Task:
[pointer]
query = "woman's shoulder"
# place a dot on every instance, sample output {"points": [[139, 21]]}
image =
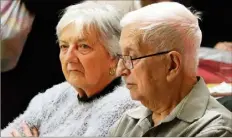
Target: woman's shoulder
{"points": [[121, 90], [119, 93], [119, 98], [54, 93], [58, 89]]}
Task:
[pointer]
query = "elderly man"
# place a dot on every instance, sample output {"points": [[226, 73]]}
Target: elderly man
{"points": [[159, 45]]}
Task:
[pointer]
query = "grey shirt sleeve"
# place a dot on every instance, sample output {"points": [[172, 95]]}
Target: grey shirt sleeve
{"points": [[216, 131], [113, 129]]}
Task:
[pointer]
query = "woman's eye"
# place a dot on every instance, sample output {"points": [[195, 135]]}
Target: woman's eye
{"points": [[84, 49], [63, 46]]}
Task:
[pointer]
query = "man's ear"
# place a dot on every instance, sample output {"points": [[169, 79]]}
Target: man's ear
{"points": [[174, 65]]}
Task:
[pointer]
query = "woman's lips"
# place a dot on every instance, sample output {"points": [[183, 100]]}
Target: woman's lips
{"points": [[73, 68]]}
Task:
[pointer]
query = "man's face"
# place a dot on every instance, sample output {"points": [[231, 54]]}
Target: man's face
{"points": [[147, 78]]}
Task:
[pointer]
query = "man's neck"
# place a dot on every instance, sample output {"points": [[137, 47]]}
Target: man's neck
{"points": [[161, 111]]}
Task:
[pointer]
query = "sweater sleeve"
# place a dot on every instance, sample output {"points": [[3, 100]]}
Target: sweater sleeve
{"points": [[37, 110], [31, 116]]}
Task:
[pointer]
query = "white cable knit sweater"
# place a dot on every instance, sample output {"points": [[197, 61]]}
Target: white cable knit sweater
{"points": [[57, 112]]}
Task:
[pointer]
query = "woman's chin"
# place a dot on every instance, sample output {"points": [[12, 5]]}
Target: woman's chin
{"points": [[77, 82]]}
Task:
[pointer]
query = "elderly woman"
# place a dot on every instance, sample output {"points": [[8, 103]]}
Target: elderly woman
{"points": [[159, 45], [93, 98]]}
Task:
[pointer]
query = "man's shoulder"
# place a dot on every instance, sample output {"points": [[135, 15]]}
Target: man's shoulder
{"points": [[130, 123], [135, 115], [216, 123], [217, 115], [216, 119]]}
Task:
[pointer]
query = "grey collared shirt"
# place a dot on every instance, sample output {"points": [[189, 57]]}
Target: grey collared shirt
{"points": [[198, 114]]}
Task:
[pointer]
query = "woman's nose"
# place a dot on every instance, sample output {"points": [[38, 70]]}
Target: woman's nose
{"points": [[72, 53]]}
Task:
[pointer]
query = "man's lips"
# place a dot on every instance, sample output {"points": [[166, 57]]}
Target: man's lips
{"points": [[129, 85]]}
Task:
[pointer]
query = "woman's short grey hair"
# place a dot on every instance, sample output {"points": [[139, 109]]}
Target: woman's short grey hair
{"points": [[169, 26], [105, 18]]}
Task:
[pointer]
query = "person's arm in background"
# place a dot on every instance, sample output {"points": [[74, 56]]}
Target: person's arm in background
{"points": [[227, 46], [16, 24]]}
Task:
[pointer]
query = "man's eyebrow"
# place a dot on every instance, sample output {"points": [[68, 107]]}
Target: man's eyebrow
{"points": [[129, 50]]}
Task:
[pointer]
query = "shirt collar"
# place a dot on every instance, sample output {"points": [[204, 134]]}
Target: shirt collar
{"points": [[196, 104], [192, 107]]}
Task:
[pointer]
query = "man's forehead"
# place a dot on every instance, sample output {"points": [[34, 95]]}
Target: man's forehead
{"points": [[129, 44], [130, 39]]}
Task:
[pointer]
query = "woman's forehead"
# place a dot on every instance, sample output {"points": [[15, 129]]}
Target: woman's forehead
{"points": [[72, 33]]}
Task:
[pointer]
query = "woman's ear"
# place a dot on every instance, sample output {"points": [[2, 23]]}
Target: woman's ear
{"points": [[114, 61], [174, 65]]}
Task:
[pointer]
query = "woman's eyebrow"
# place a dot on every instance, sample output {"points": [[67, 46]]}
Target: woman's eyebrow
{"points": [[81, 40], [62, 41]]}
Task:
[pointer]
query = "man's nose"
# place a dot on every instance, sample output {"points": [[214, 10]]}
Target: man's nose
{"points": [[121, 69]]}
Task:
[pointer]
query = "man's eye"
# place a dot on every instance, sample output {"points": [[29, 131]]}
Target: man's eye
{"points": [[84, 46]]}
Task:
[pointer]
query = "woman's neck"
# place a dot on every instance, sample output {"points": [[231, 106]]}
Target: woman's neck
{"points": [[106, 90]]}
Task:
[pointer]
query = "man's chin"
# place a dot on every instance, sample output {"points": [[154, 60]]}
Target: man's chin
{"points": [[134, 96]]}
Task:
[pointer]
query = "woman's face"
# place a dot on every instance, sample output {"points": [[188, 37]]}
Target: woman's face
{"points": [[85, 61]]}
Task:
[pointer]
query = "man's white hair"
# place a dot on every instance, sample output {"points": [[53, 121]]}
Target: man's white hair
{"points": [[169, 26], [105, 18]]}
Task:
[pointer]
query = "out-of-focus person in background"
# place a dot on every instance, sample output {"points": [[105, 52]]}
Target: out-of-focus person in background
{"points": [[16, 22], [29, 52], [216, 24], [159, 62], [124, 5], [93, 98]]}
